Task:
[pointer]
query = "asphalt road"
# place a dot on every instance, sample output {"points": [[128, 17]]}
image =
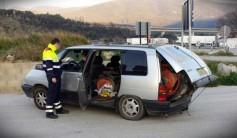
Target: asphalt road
{"points": [[213, 114], [220, 58]]}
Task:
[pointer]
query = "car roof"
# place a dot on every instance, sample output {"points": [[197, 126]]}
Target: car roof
{"points": [[117, 46]]}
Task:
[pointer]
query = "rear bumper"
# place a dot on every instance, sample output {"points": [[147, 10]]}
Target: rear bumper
{"points": [[156, 108], [27, 90], [204, 81]]}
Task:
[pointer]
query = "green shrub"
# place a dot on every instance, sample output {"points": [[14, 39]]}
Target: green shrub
{"points": [[30, 47], [225, 80], [213, 65], [6, 43], [223, 53], [201, 53], [220, 53], [222, 80]]}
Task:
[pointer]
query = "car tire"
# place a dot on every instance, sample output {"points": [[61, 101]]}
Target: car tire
{"points": [[40, 95], [131, 108]]}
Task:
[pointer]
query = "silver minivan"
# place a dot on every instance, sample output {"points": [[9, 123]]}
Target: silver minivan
{"points": [[135, 80]]}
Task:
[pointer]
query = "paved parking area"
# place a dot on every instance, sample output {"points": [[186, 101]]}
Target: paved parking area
{"points": [[220, 58], [213, 114]]}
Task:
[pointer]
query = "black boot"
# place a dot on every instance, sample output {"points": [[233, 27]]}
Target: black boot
{"points": [[51, 116], [62, 111]]}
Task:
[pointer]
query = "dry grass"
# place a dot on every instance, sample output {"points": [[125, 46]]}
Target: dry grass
{"points": [[30, 47]]}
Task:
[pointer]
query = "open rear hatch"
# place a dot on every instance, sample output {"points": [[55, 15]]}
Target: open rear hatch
{"points": [[182, 59]]}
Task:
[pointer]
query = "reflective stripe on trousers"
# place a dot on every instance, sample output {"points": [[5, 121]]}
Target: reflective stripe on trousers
{"points": [[57, 105], [48, 109]]}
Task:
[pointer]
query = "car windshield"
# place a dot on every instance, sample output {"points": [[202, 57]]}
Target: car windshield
{"points": [[60, 54]]}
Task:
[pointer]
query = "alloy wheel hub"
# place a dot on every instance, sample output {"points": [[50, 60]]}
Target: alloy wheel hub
{"points": [[130, 107], [40, 98]]}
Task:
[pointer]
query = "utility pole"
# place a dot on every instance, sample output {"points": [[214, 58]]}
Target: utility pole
{"points": [[147, 33], [127, 23], [140, 32], [182, 29], [190, 23], [225, 36]]}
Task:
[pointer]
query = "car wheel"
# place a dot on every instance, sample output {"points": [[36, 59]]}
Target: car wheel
{"points": [[40, 95], [131, 108]]}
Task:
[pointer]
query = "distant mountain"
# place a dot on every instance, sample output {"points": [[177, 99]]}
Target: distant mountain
{"points": [[208, 23], [159, 12], [46, 9], [54, 10]]}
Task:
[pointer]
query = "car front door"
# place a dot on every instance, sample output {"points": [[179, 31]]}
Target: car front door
{"points": [[70, 81], [71, 75]]}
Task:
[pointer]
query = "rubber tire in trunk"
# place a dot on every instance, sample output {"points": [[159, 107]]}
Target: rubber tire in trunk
{"points": [[184, 89]]}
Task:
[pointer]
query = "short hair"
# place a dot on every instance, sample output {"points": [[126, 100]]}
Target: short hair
{"points": [[55, 40], [84, 53], [115, 58]]}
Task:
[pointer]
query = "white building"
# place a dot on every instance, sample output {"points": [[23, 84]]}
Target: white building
{"points": [[136, 41], [230, 42], [197, 39]]}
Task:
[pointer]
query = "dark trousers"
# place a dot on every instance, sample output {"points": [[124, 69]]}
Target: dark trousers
{"points": [[53, 91]]}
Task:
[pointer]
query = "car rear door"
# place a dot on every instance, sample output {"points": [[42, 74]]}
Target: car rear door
{"points": [[184, 59], [84, 83]]}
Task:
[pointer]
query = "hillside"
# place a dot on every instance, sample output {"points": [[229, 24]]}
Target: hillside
{"points": [[54, 10], [24, 34], [159, 12], [29, 22]]}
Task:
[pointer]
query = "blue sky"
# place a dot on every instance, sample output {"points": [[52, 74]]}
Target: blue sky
{"points": [[55, 3]]}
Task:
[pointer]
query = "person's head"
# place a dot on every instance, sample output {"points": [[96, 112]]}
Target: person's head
{"points": [[115, 59], [98, 60], [84, 55], [56, 42]]}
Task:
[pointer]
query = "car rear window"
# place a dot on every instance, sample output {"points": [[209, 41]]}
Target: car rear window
{"points": [[134, 63]]}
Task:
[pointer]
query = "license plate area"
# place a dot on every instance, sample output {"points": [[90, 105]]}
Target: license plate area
{"points": [[201, 72]]}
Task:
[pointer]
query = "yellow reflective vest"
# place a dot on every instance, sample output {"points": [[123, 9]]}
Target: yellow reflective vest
{"points": [[51, 62]]}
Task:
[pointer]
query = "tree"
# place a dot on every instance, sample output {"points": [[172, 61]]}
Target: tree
{"points": [[155, 34], [49, 23], [171, 37], [230, 19]]}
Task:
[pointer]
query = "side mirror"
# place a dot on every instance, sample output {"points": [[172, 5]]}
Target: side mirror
{"points": [[39, 66]]}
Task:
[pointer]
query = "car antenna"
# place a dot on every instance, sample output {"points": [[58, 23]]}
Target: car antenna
{"points": [[195, 99]]}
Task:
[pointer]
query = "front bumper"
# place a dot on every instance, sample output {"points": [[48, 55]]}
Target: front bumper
{"points": [[27, 90], [156, 108]]}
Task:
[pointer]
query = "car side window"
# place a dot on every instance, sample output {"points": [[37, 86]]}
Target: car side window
{"points": [[75, 60], [134, 63], [73, 55]]}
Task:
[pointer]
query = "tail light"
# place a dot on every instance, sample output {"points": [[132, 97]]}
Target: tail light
{"points": [[162, 93]]}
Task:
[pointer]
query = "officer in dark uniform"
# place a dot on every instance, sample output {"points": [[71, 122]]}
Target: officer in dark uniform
{"points": [[53, 71]]}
